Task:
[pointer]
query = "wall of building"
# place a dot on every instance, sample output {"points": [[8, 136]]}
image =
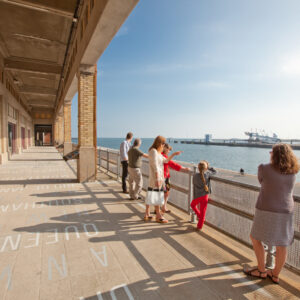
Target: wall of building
{"points": [[12, 110]]}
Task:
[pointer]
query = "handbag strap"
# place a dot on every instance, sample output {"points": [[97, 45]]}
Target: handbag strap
{"points": [[155, 190]]}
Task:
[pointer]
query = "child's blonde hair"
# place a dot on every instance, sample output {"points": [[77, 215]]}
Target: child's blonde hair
{"points": [[202, 167], [167, 147]]}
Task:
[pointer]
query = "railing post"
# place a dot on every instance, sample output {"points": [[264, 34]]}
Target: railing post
{"points": [[192, 213], [99, 157], [118, 166], [107, 160]]}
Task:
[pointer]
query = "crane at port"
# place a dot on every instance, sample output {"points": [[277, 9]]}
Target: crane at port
{"points": [[262, 137]]}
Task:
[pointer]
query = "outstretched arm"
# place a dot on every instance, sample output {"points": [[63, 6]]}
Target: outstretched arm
{"points": [[177, 167], [172, 155], [212, 171]]}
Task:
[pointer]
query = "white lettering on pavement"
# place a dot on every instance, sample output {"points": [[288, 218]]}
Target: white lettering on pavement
{"points": [[95, 230], [62, 271], [36, 240], [55, 230], [75, 230], [13, 245], [103, 259], [125, 287], [7, 271]]}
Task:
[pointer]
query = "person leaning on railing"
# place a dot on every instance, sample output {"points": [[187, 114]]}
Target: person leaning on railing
{"points": [[273, 219], [202, 189]]}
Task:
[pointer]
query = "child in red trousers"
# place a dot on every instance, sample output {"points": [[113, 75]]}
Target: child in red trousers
{"points": [[202, 189]]}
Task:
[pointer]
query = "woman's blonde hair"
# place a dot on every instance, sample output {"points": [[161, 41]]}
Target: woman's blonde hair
{"points": [[202, 167], [284, 160], [159, 140]]}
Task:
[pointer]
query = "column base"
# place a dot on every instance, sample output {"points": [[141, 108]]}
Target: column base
{"points": [[3, 158], [18, 151], [68, 147], [86, 168]]}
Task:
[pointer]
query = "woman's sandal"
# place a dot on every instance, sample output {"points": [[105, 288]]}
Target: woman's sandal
{"points": [[250, 272], [165, 211], [162, 220], [271, 276], [147, 218]]}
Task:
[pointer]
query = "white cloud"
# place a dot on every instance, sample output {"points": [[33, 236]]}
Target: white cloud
{"points": [[290, 65], [276, 68]]}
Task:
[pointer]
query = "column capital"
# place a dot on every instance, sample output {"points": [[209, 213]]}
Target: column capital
{"points": [[87, 69], [68, 102]]}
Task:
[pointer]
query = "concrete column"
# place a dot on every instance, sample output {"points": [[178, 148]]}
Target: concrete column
{"points": [[60, 130], [3, 131], [18, 135], [67, 129], [86, 166], [32, 134], [55, 131], [26, 133]]}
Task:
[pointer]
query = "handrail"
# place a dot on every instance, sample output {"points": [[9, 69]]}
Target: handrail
{"points": [[239, 209], [251, 186]]}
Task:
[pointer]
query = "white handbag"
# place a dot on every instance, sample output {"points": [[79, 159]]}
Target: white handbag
{"points": [[155, 197]]}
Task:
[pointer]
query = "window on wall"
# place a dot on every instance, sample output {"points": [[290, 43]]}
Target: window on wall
{"points": [[12, 112]]}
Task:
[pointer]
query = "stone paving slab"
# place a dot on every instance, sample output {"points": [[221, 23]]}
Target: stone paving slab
{"points": [[64, 240]]}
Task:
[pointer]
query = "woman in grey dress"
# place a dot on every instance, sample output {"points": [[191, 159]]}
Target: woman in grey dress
{"points": [[273, 219]]}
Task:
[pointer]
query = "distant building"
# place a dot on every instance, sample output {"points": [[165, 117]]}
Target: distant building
{"points": [[208, 138]]}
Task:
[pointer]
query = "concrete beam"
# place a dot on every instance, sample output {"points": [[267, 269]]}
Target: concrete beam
{"points": [[41, 103], [37, 90], [63, 8], [3, 49], [72, 89], [106, 19], [32, 66], [109, 22]]}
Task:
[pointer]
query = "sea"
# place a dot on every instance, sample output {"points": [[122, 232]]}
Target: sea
{"points": [[224, 157]]}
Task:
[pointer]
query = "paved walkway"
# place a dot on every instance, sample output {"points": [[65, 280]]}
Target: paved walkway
{"points": [[63, 240]]}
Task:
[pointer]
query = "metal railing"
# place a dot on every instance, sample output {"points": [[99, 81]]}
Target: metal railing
{"points": [[231, 205]]}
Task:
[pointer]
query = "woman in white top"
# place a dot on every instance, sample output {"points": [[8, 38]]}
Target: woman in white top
{"points": [[156, 173]]}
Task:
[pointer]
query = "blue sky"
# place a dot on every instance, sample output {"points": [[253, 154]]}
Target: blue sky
{"points": [[186, 68]]}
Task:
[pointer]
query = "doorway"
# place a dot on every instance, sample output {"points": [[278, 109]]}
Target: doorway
{"points": [[23, 137], [12, 138], [43, 135], [29, 138]]}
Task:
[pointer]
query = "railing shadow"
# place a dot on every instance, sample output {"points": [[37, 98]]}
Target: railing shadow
{"points": [[128, 228]]}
